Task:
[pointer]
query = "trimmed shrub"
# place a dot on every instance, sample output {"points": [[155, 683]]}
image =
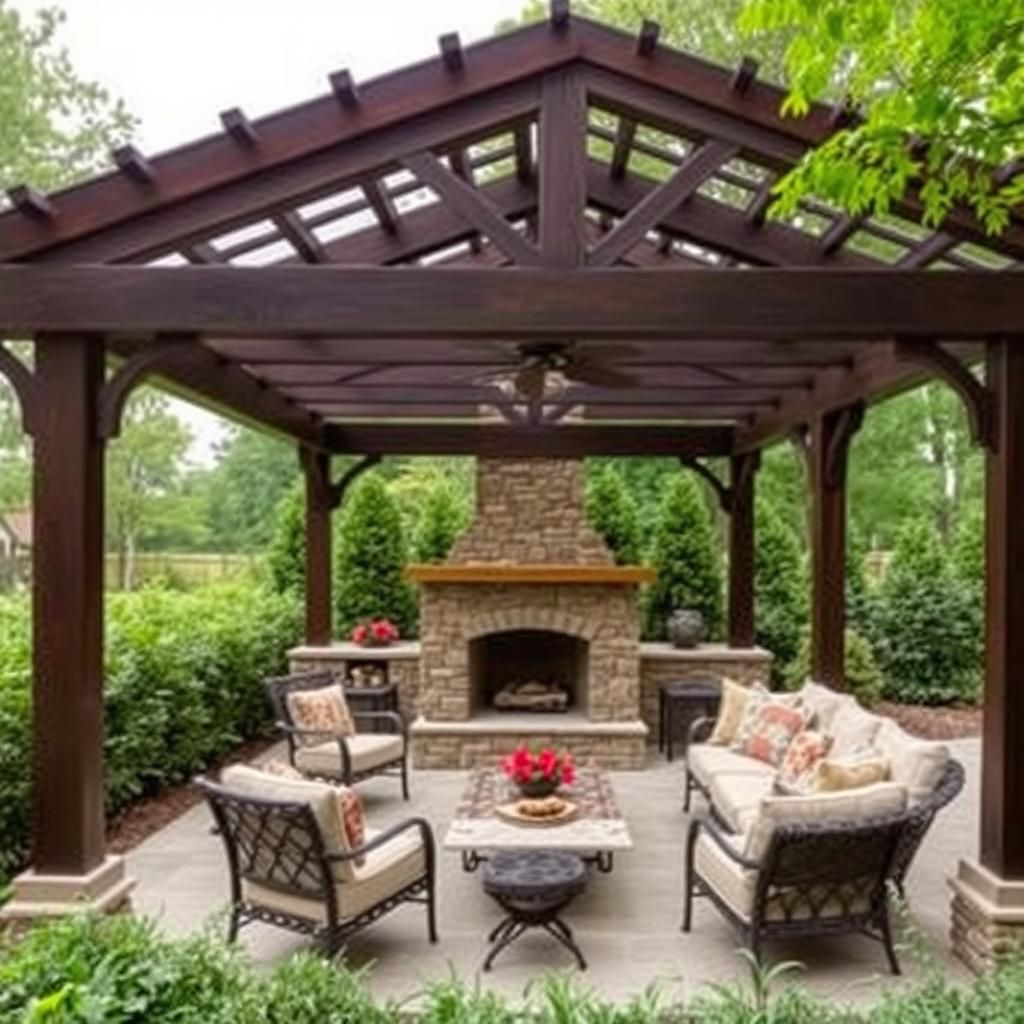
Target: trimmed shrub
{"points": [[969, 551], [286, 558], [780, 589], [614, 514], [183, 687], [442, 519], [371, 554], [926, 624], [863, 678], [684, 555]]}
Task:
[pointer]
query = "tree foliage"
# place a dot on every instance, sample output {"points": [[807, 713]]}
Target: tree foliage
{"points": [[863, 679], [613, 513], [685, 558], [940, 88], [371, 554], [443, 516], [780, 588], [286, 556]]}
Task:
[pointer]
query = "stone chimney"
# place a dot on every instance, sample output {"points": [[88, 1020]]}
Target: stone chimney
{"points": [[530, 512]]}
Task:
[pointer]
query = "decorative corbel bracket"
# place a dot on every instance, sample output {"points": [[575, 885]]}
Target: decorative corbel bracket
{"points": [[847, 421], [119, 386], [978, 400], [23, 381], [723, 492], [745, 467], [338, 489], [317, 465]]}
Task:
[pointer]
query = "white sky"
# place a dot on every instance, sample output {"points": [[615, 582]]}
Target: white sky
{"points": [[178, 64]]}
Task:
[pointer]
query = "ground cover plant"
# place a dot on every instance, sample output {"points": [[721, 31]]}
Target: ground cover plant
{"points": [[183, 675], [119, 970]]}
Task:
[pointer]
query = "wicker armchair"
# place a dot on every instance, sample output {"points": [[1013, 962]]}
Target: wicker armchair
{"points": [[814, 878], [283, 872], [346, 759]]}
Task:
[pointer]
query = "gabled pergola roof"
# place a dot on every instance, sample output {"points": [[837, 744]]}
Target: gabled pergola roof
{"points": [[553, 150]]}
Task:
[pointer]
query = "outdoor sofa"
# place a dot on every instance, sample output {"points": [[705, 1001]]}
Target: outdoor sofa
{"points": [[785, 864]]}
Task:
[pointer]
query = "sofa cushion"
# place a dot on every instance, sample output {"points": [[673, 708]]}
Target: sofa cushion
{"points": [[736, 886], [387, 870], [774, 729], [737, 796], [804, 754], [706, 761], [918, 764], [366, 750], [822, 702], [881, 800], [833, 776], [853, 728], [730, 712], [324, 710]]}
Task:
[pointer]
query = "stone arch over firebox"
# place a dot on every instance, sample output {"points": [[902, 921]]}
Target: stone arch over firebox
{"points": [[550, 619]]}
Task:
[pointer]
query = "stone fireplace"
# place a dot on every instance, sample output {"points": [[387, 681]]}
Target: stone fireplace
{"points": [[529, 600]]}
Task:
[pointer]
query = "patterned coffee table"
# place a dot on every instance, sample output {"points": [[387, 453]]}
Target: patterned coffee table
{"points": [[597, 832]]}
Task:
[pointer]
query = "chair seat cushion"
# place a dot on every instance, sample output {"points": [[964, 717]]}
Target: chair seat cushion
{"points": [[367, 751], [705, 761], [736, 886], [737, 796], [384, 872]]}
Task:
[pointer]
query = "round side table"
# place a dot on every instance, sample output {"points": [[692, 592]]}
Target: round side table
{"points": [[682, 702], [533, 887]]}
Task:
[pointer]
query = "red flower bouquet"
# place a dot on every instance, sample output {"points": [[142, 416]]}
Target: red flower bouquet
{"points": [[375, 633], [539, 774]]}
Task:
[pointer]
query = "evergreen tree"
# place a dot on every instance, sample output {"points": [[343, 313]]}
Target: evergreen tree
{"points": [[926, 624], [613, 513], [688, 566], [286, 558], [369, 579], [442, 519], [780, 589]]}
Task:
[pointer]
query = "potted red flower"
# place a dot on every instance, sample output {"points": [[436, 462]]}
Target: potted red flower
{"points": [[374, 633], [540, 774]]}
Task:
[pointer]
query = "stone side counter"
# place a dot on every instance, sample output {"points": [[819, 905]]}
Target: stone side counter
{"points": [[661, 663], [402, 660]]}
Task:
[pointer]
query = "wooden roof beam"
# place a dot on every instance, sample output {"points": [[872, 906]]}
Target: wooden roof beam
{"points": [[559, 15], [452, 56], [625, 139], [562, 169], [30, 202], [745, 75], [134, 165], [239, 127], [382, 205], [522, 137], [302, 240], [647, 40], [344, 88], [842, 229]]}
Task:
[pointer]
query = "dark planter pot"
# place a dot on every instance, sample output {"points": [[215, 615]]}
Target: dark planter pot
{"points": [[537, 788], [686, 628]]}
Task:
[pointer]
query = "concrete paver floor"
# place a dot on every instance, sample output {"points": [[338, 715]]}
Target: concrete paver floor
{"points": [[627, 923]]}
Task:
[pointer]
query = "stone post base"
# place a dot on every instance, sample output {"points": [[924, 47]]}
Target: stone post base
{"points": [[107, 888], [988, 916]]}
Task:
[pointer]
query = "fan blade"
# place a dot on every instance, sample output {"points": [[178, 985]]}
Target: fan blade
{"points": [[529, 382], [598, 376]]}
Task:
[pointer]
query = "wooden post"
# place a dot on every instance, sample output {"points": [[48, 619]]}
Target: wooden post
{"points": [[830, 439], [743, 472], [316, 467], [1002, 773], [67, 687]]}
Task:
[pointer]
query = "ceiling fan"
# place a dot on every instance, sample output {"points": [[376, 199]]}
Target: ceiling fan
{"points": [[547, 368]]}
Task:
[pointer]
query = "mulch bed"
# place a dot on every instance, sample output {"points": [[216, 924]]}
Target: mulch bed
{"points": [[955, 722], [137, 823]]}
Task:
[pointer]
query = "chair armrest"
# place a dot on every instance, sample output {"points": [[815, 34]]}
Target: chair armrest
{"points": [[715, 833], [700, 729], [426, 836], [392, 718]]}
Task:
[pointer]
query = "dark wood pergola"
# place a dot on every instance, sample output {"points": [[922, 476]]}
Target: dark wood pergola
{"points": [[348, 273]]}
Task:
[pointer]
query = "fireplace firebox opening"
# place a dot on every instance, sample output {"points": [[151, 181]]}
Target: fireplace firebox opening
{"points": [[523, 670]]}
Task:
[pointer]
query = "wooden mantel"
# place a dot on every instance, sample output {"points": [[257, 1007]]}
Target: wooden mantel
{"points": [[496, 572]]}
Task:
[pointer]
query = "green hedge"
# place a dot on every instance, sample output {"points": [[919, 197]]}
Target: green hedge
{"points": [[182, 688], [118, 969]]}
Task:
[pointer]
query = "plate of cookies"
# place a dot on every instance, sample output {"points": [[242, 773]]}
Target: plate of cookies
{"points": [[547, 810]]}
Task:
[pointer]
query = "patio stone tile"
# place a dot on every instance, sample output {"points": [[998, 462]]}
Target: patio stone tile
{"points": [[627, 923]]}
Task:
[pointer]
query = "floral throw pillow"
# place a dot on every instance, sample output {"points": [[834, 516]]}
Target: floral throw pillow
{"points": [[798, 765], [323, 710], [350, 810], [773, 732], [757, 697]]}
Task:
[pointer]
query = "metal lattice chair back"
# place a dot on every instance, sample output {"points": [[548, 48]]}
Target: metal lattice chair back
{"points": [[272, 843], [279, 687], [815, 871]]}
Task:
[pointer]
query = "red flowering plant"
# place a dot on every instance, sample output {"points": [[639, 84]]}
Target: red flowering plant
{"points": [[538, 773], [374, 633]]}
